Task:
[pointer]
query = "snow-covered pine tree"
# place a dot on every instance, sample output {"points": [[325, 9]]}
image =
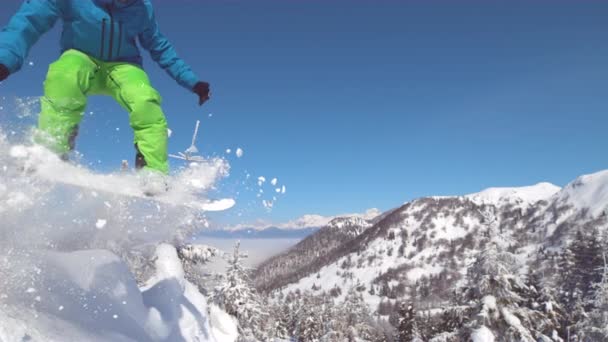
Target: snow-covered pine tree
{"points": [[498, 295], [588, 264], [541, 299], [193, 258], [238, 298], [279, 312], [357, 317], [309, 326], [580, 267], [595, 326], [408, 327]]}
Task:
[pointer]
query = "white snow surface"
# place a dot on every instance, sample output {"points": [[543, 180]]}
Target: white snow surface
{"points": [[63, 279], [91, 295], [587, 191], [482, 334], [526, 194]]}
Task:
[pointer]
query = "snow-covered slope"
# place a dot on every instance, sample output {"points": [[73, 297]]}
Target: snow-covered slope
{"points": [[587, 192], [91, 295], [309, 254], [526, 194], [82, 265]]}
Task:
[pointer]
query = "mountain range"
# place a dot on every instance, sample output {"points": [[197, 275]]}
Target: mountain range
{"points": [[428, 244]]}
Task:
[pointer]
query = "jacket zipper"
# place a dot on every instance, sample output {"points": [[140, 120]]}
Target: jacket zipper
{"points": [[111, 34], [103, 37], [119, 39]]}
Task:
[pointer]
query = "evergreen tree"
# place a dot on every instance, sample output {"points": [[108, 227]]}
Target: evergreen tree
{"points": [[587, 263], [408, 328], [595, 326], [499, 295], [357, 317], [309, 326], [237, 297], [580, 268]]}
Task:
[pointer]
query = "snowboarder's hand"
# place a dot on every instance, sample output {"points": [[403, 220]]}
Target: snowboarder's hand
{"points": [[3, 72], [202, 90]]}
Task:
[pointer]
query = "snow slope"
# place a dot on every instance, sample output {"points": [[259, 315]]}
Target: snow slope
{"points": [[526, 194], [91, 295], [83, 265], [587, 191]]}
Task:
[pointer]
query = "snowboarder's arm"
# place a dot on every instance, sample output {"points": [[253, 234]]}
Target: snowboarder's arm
{"points": [[34, 18], [164, 54]]}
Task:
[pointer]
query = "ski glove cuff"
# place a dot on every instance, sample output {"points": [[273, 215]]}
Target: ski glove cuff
{"points": [[202, 90], [3, 72]]}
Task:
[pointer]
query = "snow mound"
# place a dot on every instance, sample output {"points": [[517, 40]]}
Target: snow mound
{"points": [[526, 194], [91, 295], [482, 334], [587, 191]]}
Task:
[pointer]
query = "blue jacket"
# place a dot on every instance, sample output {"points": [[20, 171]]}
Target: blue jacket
{"points": [[105, 29]]}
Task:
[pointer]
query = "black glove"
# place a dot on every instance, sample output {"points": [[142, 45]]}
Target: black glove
{"points": [[3, 72], [202, 90]]}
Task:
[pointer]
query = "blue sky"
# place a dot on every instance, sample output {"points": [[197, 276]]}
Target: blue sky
{"points": [[360, 104]]}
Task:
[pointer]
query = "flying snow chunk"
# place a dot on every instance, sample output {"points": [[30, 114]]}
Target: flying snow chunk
{"points": [[169, 132], [268, 204], [228, 151], [274, 181], [261, 180], [283, 189], [31, 63], [101, 223], [239, 152], [18, 152]]}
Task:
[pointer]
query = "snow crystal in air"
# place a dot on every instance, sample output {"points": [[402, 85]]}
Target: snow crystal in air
{"points": [[101, 223], [268, 204]]}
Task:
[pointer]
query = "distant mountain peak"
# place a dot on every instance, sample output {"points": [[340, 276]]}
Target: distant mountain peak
{"points": [[305, 221], [526, 194], [587, 191]]}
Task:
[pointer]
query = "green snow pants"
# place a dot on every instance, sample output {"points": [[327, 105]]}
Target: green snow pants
{"points": [[76, 75]]}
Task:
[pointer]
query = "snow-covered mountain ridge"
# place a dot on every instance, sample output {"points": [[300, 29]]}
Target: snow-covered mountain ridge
{"points": [[429, 242], [526, 194], [304, 222]]}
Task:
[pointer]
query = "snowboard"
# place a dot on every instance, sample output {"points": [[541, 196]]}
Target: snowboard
{"points": [[39, 163]]}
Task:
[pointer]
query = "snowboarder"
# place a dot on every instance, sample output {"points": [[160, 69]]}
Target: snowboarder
{"points": [[99, 57]]}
